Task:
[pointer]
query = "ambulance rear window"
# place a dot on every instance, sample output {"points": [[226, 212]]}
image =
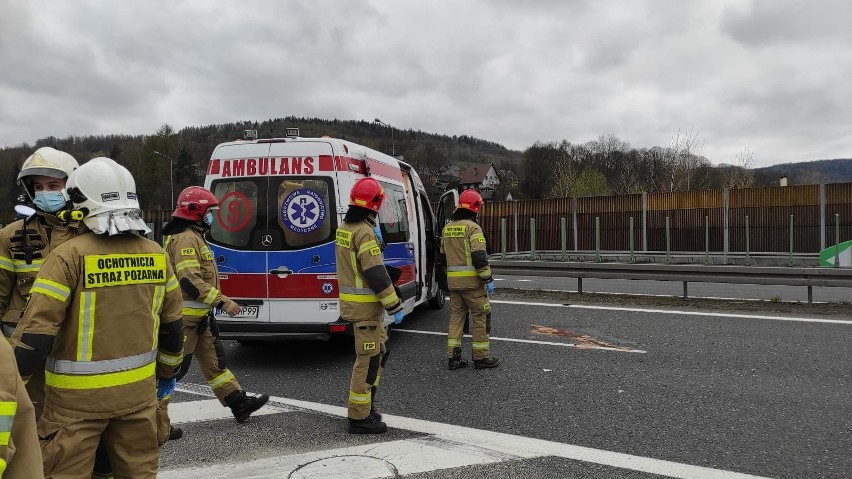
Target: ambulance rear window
{"points": [[305, 212], [275, 213], [238, 212]]}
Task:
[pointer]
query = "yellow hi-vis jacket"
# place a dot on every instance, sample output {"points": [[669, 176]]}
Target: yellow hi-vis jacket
{"points": [[101, 304], [463, 244], [196, 271], [20, 454], [16, 272], [364, 284]]}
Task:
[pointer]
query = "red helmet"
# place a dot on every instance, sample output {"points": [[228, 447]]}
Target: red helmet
{"points": [[194, 202], [470, 200], [367, 193]]}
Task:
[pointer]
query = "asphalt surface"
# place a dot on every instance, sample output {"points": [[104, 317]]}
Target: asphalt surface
{"points": [[767, 397]]}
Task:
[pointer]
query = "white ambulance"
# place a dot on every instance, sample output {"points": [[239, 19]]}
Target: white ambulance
{"points": [[281, 201]]}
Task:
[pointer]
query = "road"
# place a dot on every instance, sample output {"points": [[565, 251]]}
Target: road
{"points": [[605, 392], [675, 288]]}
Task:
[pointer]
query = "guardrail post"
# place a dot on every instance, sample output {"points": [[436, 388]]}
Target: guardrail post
{"points": [[706, 239], [748, 252], [645, 221], [632, 252], [822, 218], [836, 240], [685, 290], [532, 238], [598, 239], [579, 285], [725, 238], [574, 223], [668, 241], [790, 263], [502, 238], [563, 234], [515, 224]]}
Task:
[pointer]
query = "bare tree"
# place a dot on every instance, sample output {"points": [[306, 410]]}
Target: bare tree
{"points": [[627, 176], [741, 173], [686, 162], [564, 171]]}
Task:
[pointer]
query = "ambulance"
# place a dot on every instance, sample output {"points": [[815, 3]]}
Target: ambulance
{"points": [[281, 200]]}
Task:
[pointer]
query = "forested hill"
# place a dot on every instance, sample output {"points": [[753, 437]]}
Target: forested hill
{"points": [[809, 172], [190, 149]]}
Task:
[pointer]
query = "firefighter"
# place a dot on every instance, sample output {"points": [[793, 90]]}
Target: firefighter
{"points": [[20, 456], [470, 282], [26, 242], [105, 311], [199, 282], [366, 292]]}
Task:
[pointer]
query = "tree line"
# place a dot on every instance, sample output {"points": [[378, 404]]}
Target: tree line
{"points": [[603, 166]]}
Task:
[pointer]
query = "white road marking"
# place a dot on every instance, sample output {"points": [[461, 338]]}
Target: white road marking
{"points": [[684, 313], [532, 341], [445, 446], [208, 409]]}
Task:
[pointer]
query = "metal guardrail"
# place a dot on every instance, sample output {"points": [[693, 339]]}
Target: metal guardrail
{"points": [[686, 273], [662, 257]]}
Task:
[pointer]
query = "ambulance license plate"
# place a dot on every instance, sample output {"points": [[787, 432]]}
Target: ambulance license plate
{"points": [[245, 312]]}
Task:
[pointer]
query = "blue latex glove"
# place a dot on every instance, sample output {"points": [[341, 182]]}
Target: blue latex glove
{"points": [[397, 316], [165, 387], [489, 287]]}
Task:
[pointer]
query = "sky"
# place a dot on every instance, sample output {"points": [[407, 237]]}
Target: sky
{"points": [[767, 77]]}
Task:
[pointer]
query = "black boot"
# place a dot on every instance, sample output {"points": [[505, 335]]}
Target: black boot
{"points": [[486, 363], [368, 425], [373, 412], [175, 433], [456, 361], [242, 404]]}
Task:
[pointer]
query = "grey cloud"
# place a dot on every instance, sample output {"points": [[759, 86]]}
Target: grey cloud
{"points": [[764, 74]]}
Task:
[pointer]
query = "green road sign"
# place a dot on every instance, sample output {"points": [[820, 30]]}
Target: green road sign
{"points": [[841, 253]]}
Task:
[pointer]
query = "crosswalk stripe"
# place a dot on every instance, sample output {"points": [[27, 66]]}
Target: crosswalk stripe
{"points": [[445, 446]]}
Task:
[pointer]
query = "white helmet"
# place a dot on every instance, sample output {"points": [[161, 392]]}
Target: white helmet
{"points": [[46, 161], [106, 194]]}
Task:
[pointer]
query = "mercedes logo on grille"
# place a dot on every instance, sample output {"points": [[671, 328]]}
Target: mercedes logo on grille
{"points": [[266, 240]]}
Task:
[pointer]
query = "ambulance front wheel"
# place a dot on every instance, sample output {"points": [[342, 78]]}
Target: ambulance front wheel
{"points": [[438, 301]]}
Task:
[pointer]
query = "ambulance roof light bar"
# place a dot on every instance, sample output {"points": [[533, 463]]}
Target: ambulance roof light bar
{"points": [[249, 134]]}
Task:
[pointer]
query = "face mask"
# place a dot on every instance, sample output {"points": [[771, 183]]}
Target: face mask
{"points": [[208, 218], [49, 201]]}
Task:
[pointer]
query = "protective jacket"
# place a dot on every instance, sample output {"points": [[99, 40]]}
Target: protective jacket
{"points": [[108, 311], [196, 271], [463, 244], [365, 287], [20, 454], [22, 252]]}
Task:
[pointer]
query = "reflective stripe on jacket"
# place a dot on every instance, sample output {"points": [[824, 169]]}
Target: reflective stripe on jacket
{"points": [[460, 241], [193, 262], [357, 251], [103, 298], [17, 273], [20, 454]]}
